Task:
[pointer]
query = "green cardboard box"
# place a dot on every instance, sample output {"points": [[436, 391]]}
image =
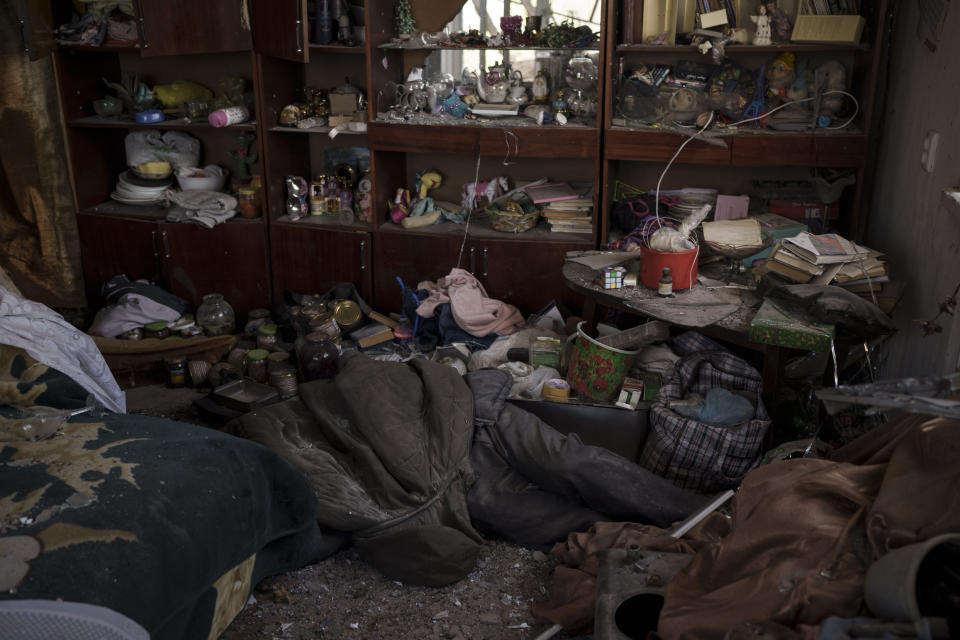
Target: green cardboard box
{"points": [[773, 325]]}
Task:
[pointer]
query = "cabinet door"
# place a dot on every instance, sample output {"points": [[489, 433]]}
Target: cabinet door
{"points": [[113, 246], [36, 27], [280, 28], [176, 27], [308, 260], [230, 258], [525, 274], [413, 258]]}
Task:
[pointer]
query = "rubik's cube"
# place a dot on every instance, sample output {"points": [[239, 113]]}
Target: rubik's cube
{"points": [[613, 277]]}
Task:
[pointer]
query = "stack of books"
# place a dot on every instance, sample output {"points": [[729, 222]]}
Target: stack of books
{"points": [[566, 210], [825, 259]]}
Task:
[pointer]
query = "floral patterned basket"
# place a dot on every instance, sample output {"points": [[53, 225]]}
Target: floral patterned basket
{"points": [[597, 371]]}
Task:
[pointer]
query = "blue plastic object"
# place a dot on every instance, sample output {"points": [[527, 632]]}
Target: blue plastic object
{"points": [[150, 115]]}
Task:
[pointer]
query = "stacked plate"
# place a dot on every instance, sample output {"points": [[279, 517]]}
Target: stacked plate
{"points": [[691, 200], [132, 189]]}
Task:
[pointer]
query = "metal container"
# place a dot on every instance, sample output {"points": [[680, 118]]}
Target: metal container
{"points": [[245, 395], [347, 314]]}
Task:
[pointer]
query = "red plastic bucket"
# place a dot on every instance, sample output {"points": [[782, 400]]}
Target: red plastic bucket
{"points": [[682, 265]]}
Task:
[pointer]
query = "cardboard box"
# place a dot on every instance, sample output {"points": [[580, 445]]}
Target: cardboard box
{"points": [[774, 325]]}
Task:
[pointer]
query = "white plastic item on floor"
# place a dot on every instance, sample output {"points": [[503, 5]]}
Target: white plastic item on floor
{"points": [[53, 341]]}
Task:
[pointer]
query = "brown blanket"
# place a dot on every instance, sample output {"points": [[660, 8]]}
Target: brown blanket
{"points": [[802, 535]]}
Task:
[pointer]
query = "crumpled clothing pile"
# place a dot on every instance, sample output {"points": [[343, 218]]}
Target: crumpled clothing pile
{"points": [[206, 208], [475, 312], [111, 21]]}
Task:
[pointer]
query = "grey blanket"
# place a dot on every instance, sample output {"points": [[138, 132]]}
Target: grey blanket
{"points": [[535, 485]]}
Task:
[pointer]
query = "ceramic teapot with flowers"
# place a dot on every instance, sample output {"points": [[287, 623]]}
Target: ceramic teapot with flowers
{"points": [[493, 85]]}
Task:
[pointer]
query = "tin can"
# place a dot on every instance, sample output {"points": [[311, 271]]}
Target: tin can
{"points": [[347, 314]]}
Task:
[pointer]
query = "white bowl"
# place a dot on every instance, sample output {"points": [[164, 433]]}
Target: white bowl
{"points": [[209, 178]]}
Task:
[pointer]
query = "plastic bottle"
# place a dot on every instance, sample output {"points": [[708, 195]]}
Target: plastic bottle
{"points": [[228, 116]]}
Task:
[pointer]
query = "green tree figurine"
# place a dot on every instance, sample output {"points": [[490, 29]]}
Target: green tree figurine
{"points": [[405, 25], [245, 154]]}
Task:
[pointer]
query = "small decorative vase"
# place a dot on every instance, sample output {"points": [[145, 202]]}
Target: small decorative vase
{"points": [[215, 315]]}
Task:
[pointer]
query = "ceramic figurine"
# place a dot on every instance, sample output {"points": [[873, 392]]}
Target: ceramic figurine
{"points": [[541, 87], [780, 75], [761, 37], [782, 28]]}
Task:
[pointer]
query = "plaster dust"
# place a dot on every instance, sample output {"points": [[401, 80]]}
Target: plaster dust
{"points": [[342, 597]]}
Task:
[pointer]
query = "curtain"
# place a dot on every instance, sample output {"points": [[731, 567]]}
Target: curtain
{"points": [[39, 245]]}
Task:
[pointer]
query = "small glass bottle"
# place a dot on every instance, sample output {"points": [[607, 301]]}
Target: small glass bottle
{"points": [[267, 336], [665, 285], [215, 315], [176, 372], [319, 358], [256, 365]]}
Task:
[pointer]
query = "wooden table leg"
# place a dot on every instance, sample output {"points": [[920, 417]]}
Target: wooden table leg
{"points": [[772, 368]]}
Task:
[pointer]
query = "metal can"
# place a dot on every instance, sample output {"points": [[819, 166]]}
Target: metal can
{"points": [[347, 314]]}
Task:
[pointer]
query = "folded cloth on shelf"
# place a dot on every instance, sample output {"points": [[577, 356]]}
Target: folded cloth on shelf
{"points": [[131, 310], [53, 341], [475, 312], [206, 208]]}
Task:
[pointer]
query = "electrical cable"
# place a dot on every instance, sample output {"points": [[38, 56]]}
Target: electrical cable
{"points": [[656, 207], [466, 226]]}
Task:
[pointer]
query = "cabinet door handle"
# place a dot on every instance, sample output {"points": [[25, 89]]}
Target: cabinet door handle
{"points": [[143, 26], [166, 245], [484, 262], [299, 25], [363, 255], [156, 247], [473, 260]]}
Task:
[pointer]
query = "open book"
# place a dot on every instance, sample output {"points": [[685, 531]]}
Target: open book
{"points": [[826, 248]]}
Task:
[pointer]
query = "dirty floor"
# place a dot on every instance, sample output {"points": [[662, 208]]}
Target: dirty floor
{"points": [[342, 597]]}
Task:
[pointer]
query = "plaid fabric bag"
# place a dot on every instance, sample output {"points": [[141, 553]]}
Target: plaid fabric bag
{"points": [[695, 455]]}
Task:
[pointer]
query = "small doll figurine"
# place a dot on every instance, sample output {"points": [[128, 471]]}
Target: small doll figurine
{"points": [[400, 206], [761, 37], [780, 76], [426, 180], [780, 21]]}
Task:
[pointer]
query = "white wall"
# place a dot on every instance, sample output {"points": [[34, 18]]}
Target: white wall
{"points": [[921, 238]]}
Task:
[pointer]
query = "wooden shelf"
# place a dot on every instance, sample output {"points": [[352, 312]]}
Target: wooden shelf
{"points": [[96, 122], [743, 48], [329, 223], [344, 138], [156, 212], [521, 141], [105, 48], [400, 47], [480, 229], [336, 48]]}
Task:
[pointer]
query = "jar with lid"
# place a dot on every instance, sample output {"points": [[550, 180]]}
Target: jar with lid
{"points": [[267, 336], [176, 371], [256, 365], [318, 357], [248, 202], [157, 329], [215, 315], [255, 318], [285, 382]]}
